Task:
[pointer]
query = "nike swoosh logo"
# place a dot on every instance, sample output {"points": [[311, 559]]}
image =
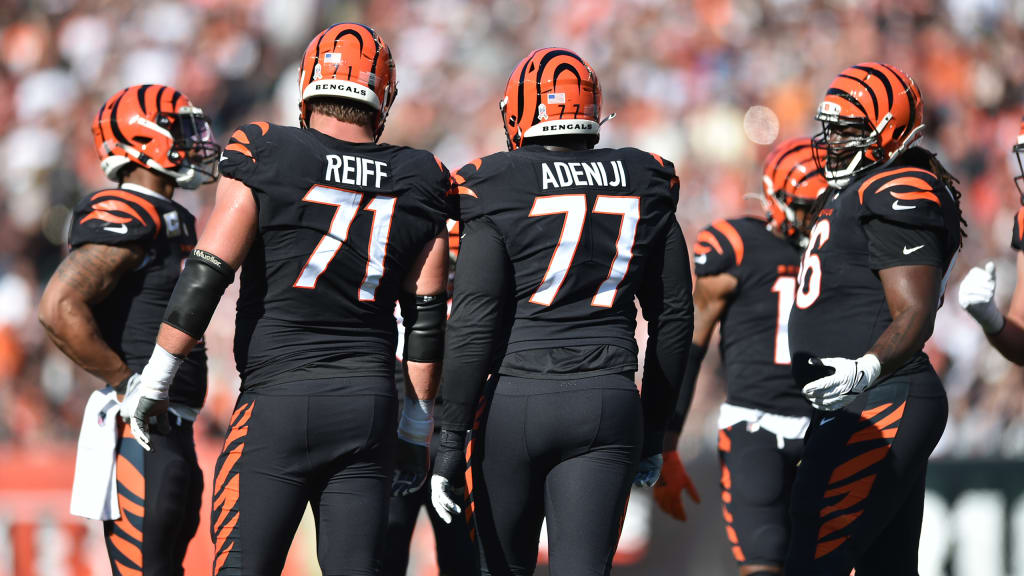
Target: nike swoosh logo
{"points": [[826, 420], [897, 206], [911, 250], [223, 157], [700, 259], [121, 229]]}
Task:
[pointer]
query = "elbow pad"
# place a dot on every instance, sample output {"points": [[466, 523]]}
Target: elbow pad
{"points": [[201, 284], [424, 331]]}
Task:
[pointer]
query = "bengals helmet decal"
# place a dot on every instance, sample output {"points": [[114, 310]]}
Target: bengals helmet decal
{"points": [[791, 179], [1018, 150], [158, 128], [871, 113], [551, 92], [349, 61]]}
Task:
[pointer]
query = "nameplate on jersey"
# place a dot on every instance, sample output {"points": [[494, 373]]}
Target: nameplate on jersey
{"points": [[609, 174], [357, 171]]}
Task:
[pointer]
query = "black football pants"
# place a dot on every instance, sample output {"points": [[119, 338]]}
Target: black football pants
{"points": [[565, 450], [283, 451], [159, 494], [858, 496]]}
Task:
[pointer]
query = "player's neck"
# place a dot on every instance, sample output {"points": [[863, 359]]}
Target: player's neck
{"points": [[158, 183], [340, 130]]}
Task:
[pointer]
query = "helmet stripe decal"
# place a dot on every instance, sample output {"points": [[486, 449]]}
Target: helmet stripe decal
{"points": [[910, 98], [118, 135], [376, 56], [846, 96], [142, 96], [874, 99], [562, 66], [880, 74]]}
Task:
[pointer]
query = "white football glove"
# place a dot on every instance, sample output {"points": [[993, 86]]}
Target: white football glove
{"points": [[442, 500], [977, 295], [851, 377], [149, 402], [648, 471]]}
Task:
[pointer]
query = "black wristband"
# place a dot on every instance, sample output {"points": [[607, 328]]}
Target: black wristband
{"points": [[201, 284], [424, 327], [450, 461]]}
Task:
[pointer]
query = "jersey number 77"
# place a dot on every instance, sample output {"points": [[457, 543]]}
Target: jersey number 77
{"points": [[346, 205], [574, 209]]}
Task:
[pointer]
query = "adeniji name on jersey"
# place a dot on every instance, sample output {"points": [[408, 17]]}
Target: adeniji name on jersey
{"points": [[340, 226], [898, 216], [130, 317], [755, 326]]}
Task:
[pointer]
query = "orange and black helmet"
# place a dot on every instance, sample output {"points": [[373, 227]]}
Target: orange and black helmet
{"points": [[349, 61], [1018, 149], [158, 128], [551, 92], [871, 113], [791, 179]]}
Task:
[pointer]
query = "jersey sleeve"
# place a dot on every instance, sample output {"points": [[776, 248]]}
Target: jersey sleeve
{"points": [[472, 183], [244, 156], [892, 244], [1017, 242], [114, 217], [719, 249], [434, 183], [908, 196]]}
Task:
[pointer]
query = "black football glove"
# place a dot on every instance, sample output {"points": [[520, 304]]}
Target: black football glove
{"points": [[449, 474]]}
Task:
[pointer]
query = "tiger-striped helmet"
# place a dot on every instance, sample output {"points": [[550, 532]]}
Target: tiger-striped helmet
{"points": [[791, 179], [349, 61], [1018, 149], [871, 113], [551, 92], [158, 128]]}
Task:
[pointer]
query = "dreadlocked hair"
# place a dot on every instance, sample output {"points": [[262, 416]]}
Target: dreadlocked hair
{"points": [[920, 157]]}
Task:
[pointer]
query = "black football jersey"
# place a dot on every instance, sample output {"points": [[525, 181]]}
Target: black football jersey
{"points": [[130, 317], [579, 228], [898, 216], [340, 226], [1017, 242], [755, 325]]}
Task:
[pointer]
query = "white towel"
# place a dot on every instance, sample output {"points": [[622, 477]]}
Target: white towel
{"points": [[94, 491]]}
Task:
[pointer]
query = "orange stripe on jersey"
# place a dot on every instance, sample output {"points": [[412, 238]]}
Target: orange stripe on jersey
{"points": [[263, 126], [238, 148], [105, 216], [916, 196], [824, 548], [724, 443], [872, 412], [463, 191], [130, 550], [658, 158], [837, 523], [131, 478], [123, 570], [732, 236], [858, 463], [867, 183], [118, 206], [707, 238], [222, 557], [131, 507], [240, 136], [228, 467], [853, 493], [1020, 224], [440, 166], [145, 204]]}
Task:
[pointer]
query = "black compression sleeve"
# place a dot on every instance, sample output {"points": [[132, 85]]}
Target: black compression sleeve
{"points": [[480, 280], [667, 303], [693, 362], [424, 319], [201, 284]]}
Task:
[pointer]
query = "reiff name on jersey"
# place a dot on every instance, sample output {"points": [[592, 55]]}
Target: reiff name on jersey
{"points": [[354, 170], [565, 174]]}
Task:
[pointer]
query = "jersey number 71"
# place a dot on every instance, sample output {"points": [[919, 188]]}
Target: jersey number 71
{"points": [[346, 205], [574, 207]]}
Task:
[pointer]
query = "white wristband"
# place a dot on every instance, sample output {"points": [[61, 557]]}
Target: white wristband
{"points": [[159, 373], [416, 425]]}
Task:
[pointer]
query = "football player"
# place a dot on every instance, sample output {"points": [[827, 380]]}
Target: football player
{"points": [[871, 279], [746, 278], [104, 304], [559, 238], [456, 552], [978, 288], [331, 228]]}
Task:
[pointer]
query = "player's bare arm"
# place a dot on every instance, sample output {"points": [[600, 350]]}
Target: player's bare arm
{"points": [[87, 276], [427, 280], [912, 293]]}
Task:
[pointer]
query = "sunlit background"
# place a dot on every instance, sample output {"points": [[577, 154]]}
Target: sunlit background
{"points": [[709, 84]]}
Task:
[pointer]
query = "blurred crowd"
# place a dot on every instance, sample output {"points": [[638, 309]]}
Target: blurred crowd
{"points": [[710, 84]]}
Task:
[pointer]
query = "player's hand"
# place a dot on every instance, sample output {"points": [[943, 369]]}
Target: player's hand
{"points": [[411, 465], [668, 492], [851, 377], [449, 473], [977, 296], [144, 407], [648, 471]]}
